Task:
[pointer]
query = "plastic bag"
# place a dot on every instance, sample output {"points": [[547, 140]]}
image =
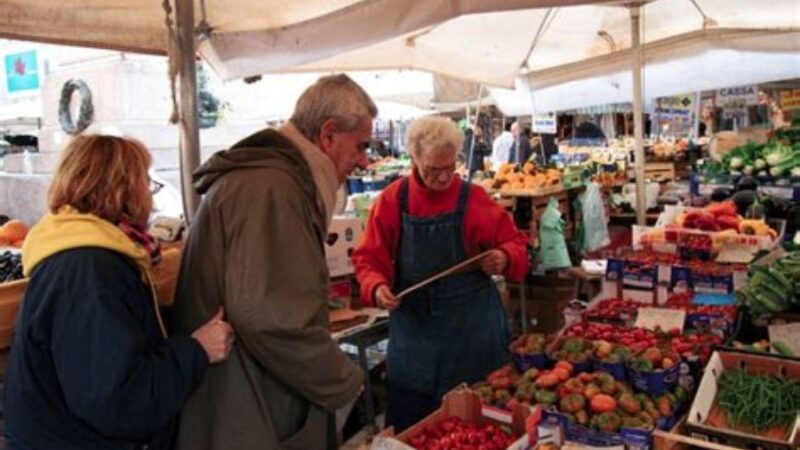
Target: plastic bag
{"points": [[551, 238], [651, 191], [594, 219]]}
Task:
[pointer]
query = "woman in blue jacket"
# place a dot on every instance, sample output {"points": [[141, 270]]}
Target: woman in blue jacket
{"points": [[91, 366]]}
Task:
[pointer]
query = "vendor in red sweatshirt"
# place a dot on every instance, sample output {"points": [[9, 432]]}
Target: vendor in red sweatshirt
{"points": [[453, 330]]}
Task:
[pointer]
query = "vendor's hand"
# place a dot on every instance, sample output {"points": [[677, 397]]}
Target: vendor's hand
{"points": [[385, 299], [495, 262], [216, 337]]}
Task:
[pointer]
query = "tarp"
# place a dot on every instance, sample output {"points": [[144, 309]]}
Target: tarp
{"points": [[697, 62], [247, 37], [493, 47], [554, 41]]}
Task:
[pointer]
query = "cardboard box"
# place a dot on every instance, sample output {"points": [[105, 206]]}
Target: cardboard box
{"points": [[165, 275], [465, 404], [343, 236], [705, 400]]}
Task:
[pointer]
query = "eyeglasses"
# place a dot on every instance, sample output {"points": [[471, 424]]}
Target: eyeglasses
{"points": [[155, 187], [436, 171]]}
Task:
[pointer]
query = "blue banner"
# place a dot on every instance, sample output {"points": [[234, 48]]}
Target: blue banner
{"points": [[22, 71]]}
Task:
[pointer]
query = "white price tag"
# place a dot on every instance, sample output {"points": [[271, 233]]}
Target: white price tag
{"points": [[788, 333], [664, 318], [388, 443]]}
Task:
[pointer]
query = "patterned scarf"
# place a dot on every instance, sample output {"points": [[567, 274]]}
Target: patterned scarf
{"points": [[137, 232]]}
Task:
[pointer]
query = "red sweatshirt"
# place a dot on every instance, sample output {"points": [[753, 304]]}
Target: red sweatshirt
{"points": [[486, 226]]}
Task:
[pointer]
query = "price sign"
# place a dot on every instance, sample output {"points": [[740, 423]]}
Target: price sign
{"points": [[664, 318], [788, 333]]}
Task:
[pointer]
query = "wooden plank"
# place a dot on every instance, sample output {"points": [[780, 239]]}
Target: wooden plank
{"points": [[669, 440], [659, 171]]}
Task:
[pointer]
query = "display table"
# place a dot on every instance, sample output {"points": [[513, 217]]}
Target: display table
{"points": [[363, 336]]}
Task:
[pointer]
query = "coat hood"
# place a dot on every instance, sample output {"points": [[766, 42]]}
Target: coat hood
{"points": [[266, 148]]}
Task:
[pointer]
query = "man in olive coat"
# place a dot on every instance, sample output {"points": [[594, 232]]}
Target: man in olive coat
{"points": [[256, 247]]}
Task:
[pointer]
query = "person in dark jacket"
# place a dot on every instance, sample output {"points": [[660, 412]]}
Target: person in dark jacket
{"points": [[474, 148], [90, 365]]}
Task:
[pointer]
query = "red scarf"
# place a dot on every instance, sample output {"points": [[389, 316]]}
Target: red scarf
{"points": [[137, 232]]}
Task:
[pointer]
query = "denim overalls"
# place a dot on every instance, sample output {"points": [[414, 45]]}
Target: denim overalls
{"points": [[452, 331]]}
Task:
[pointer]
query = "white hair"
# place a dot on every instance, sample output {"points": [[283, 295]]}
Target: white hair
{"points": [[432, 133], [334, 97]]}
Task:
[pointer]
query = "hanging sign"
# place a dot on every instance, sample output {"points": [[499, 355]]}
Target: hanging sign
{"points": [[544, 123], [673, 114], [734, 102], [22, 72], [790, 99], [737, 97]]}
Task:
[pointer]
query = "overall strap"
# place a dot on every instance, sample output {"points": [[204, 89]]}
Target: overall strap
{"points": [[404, 197], [463, 196]]}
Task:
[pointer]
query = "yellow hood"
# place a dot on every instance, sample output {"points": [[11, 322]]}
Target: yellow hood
{"points": [[68, 229]]}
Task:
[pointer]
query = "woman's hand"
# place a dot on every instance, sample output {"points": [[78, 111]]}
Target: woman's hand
{"points": [[216, 337], [385, 299], [495, 262]]}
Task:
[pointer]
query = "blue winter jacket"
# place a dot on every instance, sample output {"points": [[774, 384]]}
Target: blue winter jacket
{"points": [[89, 367]]}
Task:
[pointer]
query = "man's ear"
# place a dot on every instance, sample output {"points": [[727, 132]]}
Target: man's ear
{"points": [[326, 132]]}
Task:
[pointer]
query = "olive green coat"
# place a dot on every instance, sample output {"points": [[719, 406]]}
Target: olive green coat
{"points": [[256, 247]]}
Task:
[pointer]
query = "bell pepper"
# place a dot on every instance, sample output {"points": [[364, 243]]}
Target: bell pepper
{"points": [[728, 222], [726, 208]]}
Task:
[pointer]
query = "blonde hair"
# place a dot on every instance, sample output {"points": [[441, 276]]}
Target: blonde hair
{"points": [[105, 176], [432, 134], [334, 97]]}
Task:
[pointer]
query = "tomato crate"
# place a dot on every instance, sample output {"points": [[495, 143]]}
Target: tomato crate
{"points": [[465, 404], [524, 360], [637, 438], [654, 382]]}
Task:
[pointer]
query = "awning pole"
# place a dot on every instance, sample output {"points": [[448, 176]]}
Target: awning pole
{"points": [[477, 124], [187, 84], [641, 200]]}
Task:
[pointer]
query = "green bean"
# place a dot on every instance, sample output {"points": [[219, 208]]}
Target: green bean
{"points": [[758, 402]]}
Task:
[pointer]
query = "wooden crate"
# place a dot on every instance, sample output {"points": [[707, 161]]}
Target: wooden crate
{"points": [[539, 205], [10, 299], [675, 439], [538, 192], [659, 171]]}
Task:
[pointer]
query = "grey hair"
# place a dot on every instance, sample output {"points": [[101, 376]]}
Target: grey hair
{"points": [[334, 97], [431, 134]]}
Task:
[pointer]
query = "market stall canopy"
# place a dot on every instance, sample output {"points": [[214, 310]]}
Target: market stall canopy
{"points": [[555, 41], [244, 37], [273, 98], [700, 61], [496, 47]]}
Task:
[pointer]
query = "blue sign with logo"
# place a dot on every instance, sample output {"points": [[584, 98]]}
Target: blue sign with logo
{"points": [[22, 71]]}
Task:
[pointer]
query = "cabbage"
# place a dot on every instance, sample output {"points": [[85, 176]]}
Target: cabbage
{"points": [[736, 163], [776, 171], [796, 172], [760, 164], [748, 170], [773, 159]]}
